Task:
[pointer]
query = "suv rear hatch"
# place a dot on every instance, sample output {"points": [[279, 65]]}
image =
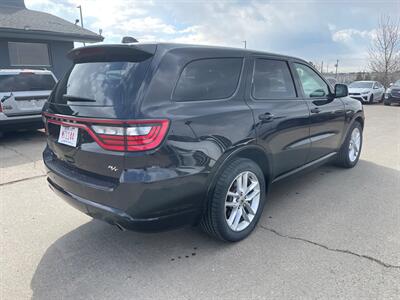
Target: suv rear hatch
{"points": [[90, 114], [25, 93]]}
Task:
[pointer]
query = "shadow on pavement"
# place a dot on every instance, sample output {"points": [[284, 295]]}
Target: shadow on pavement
{"points": [[96, 258], [96, 255], [19, 148], [21, 136]]}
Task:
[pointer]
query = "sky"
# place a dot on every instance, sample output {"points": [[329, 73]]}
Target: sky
{"points": [[313, 30]]}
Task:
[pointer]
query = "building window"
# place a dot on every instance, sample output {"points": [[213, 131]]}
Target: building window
{"points": [[28, 54]]}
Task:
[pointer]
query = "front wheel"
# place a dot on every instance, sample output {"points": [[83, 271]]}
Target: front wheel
{"points": [[350, 151], [237, 201], [386, 103], [371, 99]]}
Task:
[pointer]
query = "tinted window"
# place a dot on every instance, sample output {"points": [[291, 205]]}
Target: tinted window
{"points": [[101, 83], [313, 85], [28, 54], [208, 79], [272, 80], [26, 82]]}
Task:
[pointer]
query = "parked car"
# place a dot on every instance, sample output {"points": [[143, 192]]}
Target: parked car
{"points": [[22, 96], [392, 94], [153, 136], [367, 91]]}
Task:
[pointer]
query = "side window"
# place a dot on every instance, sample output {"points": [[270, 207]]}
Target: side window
{"points": [[208, 79], [313, 85], [272, 80]]}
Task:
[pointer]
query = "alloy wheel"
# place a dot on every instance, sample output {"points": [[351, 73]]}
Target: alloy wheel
{"points": [[354, 144], [242, 201]]}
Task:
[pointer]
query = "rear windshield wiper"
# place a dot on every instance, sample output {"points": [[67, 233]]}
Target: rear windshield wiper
{"points": [[77, 99]]}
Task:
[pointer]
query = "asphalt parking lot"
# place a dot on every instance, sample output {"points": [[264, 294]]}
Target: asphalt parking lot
{"points": [[330, 233]]}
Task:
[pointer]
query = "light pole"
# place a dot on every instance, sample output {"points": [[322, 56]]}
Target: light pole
{"points": [[80, 12], [336, 66], [245, 44]]}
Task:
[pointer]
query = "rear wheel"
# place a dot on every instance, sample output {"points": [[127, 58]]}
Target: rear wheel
{"points": [[237, 202], [350, 151]]}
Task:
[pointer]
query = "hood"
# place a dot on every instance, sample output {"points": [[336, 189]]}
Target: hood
{"points": [[358, 90]]}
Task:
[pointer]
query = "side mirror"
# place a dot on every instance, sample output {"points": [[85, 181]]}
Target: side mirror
{"points": [[391, 84], [341, 90]]}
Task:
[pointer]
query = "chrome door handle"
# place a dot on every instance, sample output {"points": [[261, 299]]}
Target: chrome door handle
{"points": [[315, 110], [267, 117]]}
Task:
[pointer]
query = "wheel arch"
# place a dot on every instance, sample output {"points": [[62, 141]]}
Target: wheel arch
{"points": [[253, 152], [357, 117]]}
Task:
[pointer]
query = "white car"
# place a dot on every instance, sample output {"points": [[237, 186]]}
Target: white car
{"points": [[23, 93], [367, 91]]}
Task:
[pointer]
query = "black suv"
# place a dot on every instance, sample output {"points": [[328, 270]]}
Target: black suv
{"points": [[153, 136]]}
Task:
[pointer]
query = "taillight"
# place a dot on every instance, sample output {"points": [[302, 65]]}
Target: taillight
{"points": [[118, 135]]}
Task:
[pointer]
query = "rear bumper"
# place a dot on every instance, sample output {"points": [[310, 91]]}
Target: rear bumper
{"points": [[120, 218], [132, 204], [20, 122]]}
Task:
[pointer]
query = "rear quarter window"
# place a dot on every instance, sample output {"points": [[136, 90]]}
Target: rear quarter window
{"points": [[208, 79]]}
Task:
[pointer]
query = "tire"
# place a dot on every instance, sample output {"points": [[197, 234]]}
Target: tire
{"points": [[382, 98], [344, 158], [371, 99], [216, 218], [386, 103]]}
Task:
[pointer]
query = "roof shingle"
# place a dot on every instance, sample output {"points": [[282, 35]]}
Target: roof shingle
{"points": [[16, 20]]}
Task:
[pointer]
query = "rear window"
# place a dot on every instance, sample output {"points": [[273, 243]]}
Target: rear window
{"points": [[208, 79], [26, 82], [101, 83]]}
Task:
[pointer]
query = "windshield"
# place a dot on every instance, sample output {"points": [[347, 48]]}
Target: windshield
{"points": [[26, 82], [101, 83], [361, 84]]}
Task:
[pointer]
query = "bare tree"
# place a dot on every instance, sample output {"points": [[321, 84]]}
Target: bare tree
{"points": [[384, 53]]}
